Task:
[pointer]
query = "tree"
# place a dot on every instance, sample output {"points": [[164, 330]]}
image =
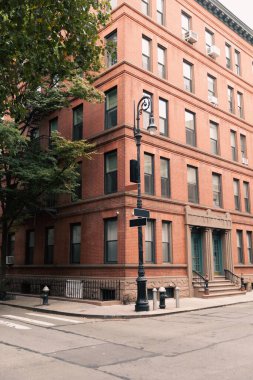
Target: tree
{"points": [[50, 53]]}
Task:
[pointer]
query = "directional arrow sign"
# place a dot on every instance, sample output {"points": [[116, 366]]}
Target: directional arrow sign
{"points": [[141, 212], [138, 222]]}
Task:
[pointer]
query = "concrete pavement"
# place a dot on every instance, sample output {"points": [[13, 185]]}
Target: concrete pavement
{"points": [[89, 310]]}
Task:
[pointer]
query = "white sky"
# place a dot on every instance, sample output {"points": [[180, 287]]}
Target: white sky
{"points": [[243, 9]]}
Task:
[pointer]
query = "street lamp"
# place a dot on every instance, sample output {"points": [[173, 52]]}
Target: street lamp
{"points": [[144, 104]]}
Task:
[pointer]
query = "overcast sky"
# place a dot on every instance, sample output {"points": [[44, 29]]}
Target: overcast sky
{"points": [[243, 9]]}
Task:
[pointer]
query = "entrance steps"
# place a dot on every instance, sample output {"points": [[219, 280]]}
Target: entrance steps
{"points": [[219, 287]]}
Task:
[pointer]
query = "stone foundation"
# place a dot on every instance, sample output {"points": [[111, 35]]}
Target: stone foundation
{"points": [[129, 288]]}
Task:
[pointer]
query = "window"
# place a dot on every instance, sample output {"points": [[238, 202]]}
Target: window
{"points": [[166, 241], [160, 12], [111, 108], [211, 81], [163, 117], [228, 56], [192, 181], [78, 123], [146, 53], [145, 8], [53, 125], [230, 99], [249, 246], [79, 188], [190, 128], [240, 104], [111, 49], [111, 172], [49, 246], [233, 145], [149, 174], [239, 246], [111, 240], [185, 23], [147, 112], [209, 39], [237, 194], [243, 147], [149, 242], [187, 72], [246, 196], [217, 199], [11, 244], [237, 62], [75, 243], [214, 138], [165, 177], [161, 53], [30, 242]]}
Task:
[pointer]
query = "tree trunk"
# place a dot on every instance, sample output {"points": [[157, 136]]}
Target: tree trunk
{"points": [[4, 248]]}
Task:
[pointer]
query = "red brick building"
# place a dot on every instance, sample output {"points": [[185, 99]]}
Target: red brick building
{"points": [[195, 60]]}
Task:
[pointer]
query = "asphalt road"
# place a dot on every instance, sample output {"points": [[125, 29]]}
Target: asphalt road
{"points": [[208, 344]]}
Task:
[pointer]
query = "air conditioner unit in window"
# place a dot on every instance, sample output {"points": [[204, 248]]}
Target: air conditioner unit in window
{"points": [[245, 161], [9, 260], [191, 36], [213, 51], [213, 100]]}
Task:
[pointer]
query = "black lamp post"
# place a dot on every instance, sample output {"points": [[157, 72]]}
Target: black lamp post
{"points": [[144, 104]]}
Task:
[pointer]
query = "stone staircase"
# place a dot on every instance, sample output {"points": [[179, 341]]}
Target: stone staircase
{"points": [[219, 287]]}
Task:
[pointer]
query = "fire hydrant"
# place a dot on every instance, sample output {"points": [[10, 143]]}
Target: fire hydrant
{"points": [[44, 295], [163, 297]]}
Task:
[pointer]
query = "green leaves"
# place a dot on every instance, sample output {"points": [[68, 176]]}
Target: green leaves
{"points": [[30, 172], [44, 39]]}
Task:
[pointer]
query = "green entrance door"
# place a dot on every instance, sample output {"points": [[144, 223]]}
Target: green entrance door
{"points": [[217, 253], [197, 252]]}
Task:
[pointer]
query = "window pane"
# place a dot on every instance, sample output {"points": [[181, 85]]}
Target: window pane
{"points": [[148, 164], [76, 234], [78, 115], [50, 236], [209, 38], [187, 70], [213, 131], [53, 125], [31, 239], [149, 241], [146, 46], [163, 122], [111, 99], [111, 162], [189, 120], [161, 55], [145, 7], [185, 22], [166, 241], [236, 187], [111, 240], [164, 168], [192, 175], [111, 53]]}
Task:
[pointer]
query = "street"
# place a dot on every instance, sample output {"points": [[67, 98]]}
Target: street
{"points": [[210, 344]]}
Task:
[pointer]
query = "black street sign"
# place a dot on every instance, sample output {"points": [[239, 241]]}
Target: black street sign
{"points": [[141, 212], [138, 222]]}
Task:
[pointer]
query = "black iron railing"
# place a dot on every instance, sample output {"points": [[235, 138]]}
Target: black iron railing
{"points": [[201, 280], [81, 288], [239, 281]]}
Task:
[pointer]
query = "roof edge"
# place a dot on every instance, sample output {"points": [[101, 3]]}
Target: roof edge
{"points": [[228, 18]]}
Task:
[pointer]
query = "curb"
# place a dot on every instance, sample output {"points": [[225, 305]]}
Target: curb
{"points": [[119, 316]]}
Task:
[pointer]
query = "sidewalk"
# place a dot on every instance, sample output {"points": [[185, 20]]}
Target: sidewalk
{"points": [[87, 310]]}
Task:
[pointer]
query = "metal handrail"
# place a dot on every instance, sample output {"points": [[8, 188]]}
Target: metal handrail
{"points": [[202, 280], [234, 278]]}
